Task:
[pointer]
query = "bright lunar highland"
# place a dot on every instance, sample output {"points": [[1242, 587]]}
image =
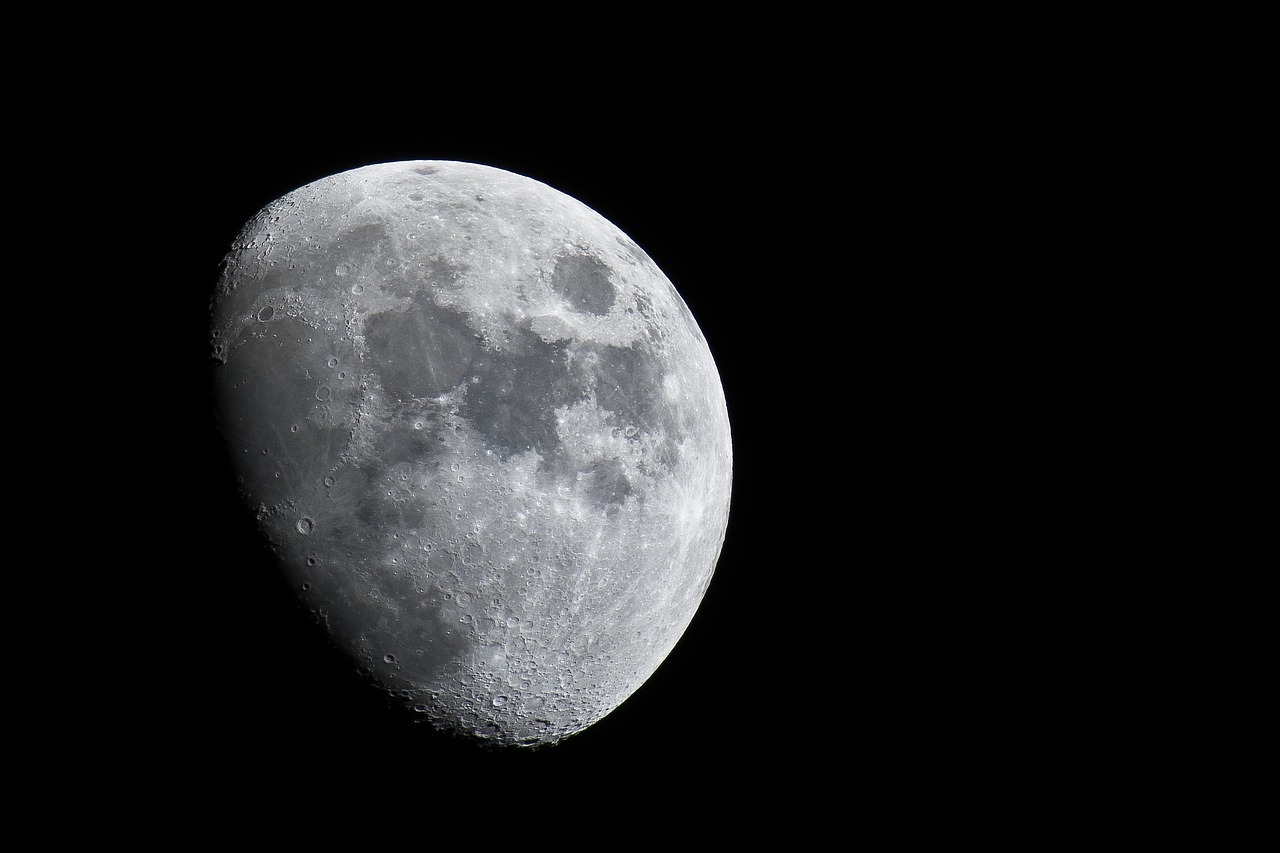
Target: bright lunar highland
{"points": [[483, 436]]}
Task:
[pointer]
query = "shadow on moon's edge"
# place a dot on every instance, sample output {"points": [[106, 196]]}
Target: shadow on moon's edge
{"points": [[259, 684]]}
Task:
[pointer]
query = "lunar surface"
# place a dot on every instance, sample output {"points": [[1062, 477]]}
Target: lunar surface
{"points": [[482, 434]]}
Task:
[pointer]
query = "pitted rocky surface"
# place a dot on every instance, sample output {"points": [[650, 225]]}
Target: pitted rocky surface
{"points": [[484, 434]]}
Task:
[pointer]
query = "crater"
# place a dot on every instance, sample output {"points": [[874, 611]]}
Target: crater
{"points": [[627, 381], [583, 281], [437, 273], [607, 485], [514, 400], [413, 630], [266, 384], [422, 352], [359, 248]]}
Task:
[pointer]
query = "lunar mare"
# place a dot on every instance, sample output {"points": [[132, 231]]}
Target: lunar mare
{"points": [[484, 437]]}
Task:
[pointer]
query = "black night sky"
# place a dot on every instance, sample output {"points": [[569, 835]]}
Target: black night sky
{"points": [[872, 246], [757, 691]]}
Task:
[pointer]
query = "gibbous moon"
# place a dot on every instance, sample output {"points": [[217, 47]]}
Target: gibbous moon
{"points": [[482, 434]]}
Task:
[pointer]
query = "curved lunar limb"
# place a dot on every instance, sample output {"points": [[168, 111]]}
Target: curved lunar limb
{"points": [[483, 435]]}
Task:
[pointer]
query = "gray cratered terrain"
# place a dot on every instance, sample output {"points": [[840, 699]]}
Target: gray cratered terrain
{"points": [[483, 435]]}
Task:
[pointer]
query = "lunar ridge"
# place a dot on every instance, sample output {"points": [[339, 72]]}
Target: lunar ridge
{"points": [[483, 435]]}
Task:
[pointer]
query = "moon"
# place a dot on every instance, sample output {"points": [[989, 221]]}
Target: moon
{"points": [[481, 433]]}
